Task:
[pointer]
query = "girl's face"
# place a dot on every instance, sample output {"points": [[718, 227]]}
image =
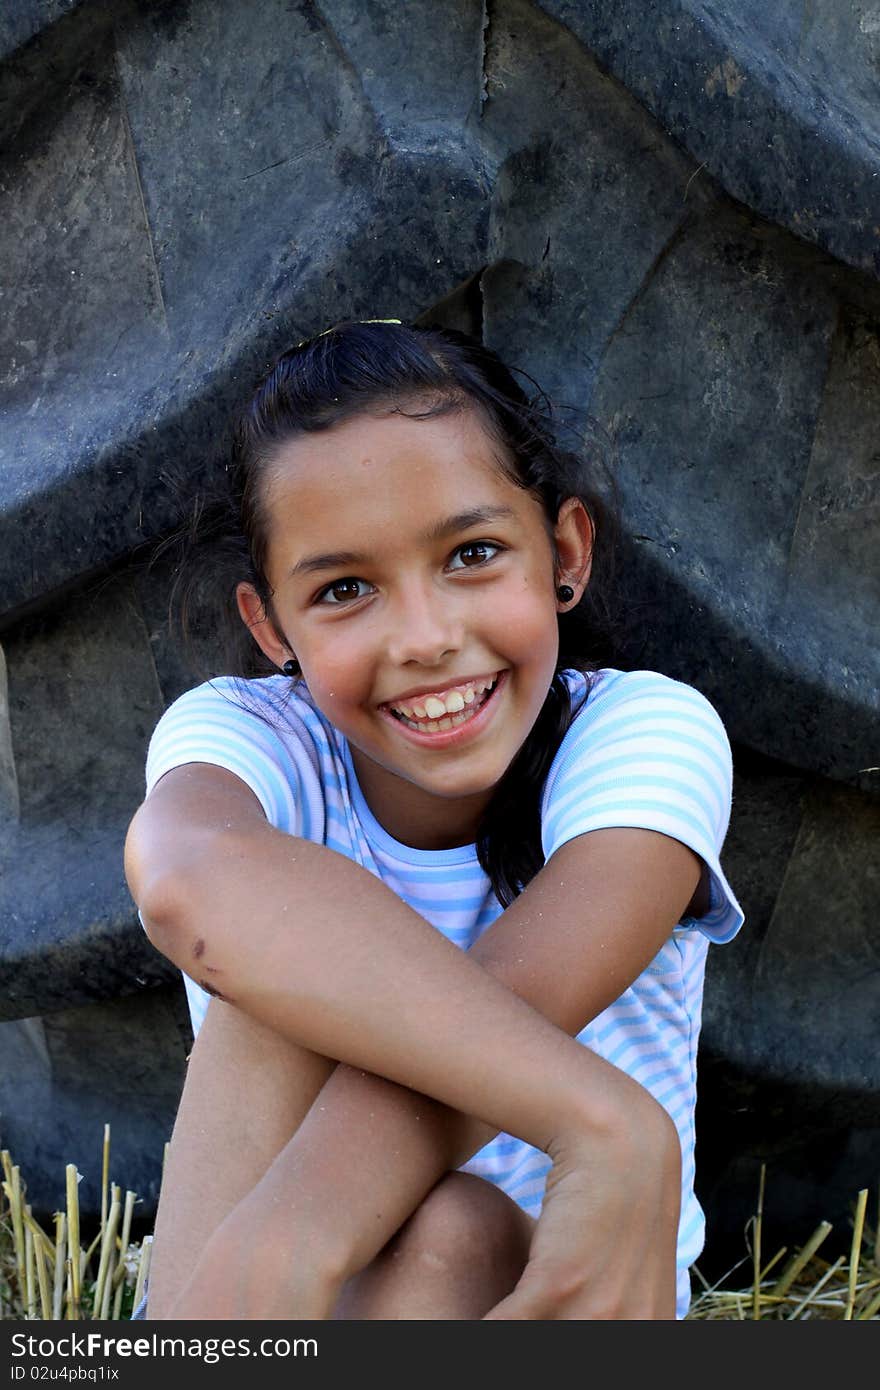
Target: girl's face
{"points": [[415, 585]]}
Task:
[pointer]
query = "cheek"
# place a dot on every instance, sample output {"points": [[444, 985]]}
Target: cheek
{"points": [[527, 624], [336, 672]]}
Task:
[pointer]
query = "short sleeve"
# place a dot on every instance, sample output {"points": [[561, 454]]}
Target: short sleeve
{"points": [[239, 726], [649, 752], [265, 739]]}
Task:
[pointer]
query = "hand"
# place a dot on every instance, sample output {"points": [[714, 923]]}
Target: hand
{"points": [[605, 1243]]}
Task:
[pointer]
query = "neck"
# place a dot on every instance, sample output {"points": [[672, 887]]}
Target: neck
{"points": [[412, 816]]}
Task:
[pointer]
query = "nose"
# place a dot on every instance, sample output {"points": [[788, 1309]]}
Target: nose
{"points": [[424, 626]]}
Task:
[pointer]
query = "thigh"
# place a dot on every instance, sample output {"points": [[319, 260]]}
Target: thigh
{"points": [[246, 1091]]}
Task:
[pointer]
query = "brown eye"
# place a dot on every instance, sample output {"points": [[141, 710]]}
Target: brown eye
{"points": [[476, 553], [342, 591]]}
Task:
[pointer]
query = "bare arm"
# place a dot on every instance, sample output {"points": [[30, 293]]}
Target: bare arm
{"points": [[582, 931], [567, 962], [216, 898]]}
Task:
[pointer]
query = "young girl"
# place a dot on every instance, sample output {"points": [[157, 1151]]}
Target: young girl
{"points": [[401, 872]]}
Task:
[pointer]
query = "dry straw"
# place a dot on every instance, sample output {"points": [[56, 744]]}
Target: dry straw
{"points": [[809, 1287], [53, 1278]]}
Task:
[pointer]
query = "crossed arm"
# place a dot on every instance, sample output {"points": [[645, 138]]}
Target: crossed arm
{"points": [[445, 1048]]}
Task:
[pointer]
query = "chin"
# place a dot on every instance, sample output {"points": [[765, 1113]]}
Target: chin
{"points": [[461, 788]]}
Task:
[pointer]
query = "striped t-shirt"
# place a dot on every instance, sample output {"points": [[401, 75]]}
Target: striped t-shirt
{"points": [[642, 750]]}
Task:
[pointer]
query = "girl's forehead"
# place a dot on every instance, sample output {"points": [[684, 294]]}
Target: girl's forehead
{"points": [[385, 455], [383, 485]]}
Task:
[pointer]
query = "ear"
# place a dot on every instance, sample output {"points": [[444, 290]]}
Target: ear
{"points": [[574, 535], [254, 616]]}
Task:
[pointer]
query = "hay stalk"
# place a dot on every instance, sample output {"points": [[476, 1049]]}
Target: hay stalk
{"points": [[43, 1275], [105, 1175], [143, 1269], [30, 1275], [101, 1294], [60, 1241], [73, 1250], [798, 1262], [119, 1273], [756, 1252], [12, 1188], [855, 1253]]}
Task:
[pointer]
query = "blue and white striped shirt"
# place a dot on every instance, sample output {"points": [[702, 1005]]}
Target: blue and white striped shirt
{"points": [[642, 750]]}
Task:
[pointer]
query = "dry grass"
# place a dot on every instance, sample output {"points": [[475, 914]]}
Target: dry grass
{"points": [[806, 1286], [54, 1277]]}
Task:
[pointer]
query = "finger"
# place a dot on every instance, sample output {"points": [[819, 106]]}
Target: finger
{"points": [[527, 1303], [510, 1309]]}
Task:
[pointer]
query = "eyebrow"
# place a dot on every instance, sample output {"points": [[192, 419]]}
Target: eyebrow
{"points": [[461, 521]]}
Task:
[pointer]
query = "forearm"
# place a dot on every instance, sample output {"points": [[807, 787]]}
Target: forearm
{"points": [[311, 945], [359, 1165], [369, 1150]]}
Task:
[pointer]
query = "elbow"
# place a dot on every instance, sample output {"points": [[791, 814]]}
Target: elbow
{"points": [[163, 893], [173, 911], [162, 906]]}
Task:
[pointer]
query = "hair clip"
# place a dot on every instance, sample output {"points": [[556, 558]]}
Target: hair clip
{"points": [[333, 326]]}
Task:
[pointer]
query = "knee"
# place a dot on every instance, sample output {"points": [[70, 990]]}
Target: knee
{"points": [[466, 1222], [460, 1253]]}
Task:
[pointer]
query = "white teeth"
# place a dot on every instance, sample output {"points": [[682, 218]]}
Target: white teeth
{"points": [[432, 712], [433, 726]]}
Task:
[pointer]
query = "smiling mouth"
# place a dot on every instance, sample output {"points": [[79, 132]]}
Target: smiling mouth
{"points": [[458, 707]]}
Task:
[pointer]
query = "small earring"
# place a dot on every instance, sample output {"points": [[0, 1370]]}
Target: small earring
{"points": [[290, 668], [565, 593]]}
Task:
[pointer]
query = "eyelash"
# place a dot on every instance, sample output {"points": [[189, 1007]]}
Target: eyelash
{"points": [[321, 596]]}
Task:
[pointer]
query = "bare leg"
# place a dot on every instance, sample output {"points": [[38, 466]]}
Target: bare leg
{"points": [[246, 1092], [458, 1255]]}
